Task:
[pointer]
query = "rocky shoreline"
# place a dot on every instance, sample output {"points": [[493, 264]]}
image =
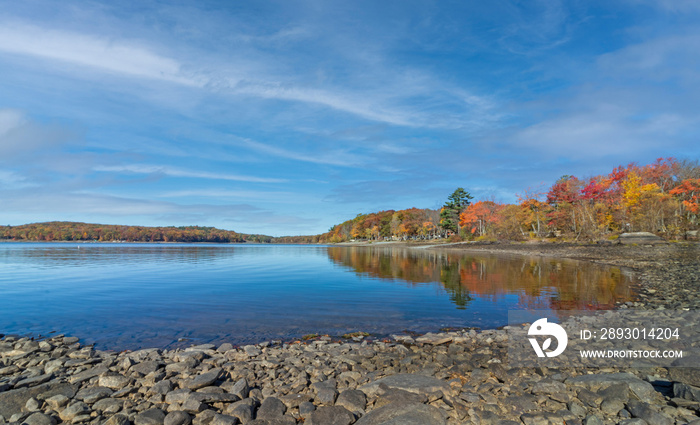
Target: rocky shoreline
{"points": [[448, 378]]}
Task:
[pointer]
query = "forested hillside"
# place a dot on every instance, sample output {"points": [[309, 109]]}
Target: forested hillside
{"points": [[662, 197], [71, 231]]}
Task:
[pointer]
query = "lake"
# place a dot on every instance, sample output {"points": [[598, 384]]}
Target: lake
{"points": [[128, 296]]}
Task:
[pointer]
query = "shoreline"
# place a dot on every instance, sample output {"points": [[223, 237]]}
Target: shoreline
{"points": [[445, 378]]}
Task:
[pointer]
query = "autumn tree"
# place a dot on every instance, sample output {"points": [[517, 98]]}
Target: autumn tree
{"points": [[533, 211], [688, 195], [480, 217]]}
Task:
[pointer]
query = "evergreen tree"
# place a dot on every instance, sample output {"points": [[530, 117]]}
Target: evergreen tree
{"points": [[456, 203]]}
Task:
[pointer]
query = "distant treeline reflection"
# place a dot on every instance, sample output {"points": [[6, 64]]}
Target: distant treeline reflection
{"points": [[538, 283]]}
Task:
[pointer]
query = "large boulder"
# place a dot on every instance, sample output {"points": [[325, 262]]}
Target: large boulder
{"points": [[404, 414], [602, 381], [414, 383], [640, 238], [13, 401]]}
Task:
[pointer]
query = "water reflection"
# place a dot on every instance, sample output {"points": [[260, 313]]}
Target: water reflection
{"points": [[539, 283], [53, 255], [141, 295]]}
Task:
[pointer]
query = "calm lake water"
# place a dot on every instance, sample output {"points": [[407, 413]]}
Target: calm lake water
{"points": [[123, 296]]}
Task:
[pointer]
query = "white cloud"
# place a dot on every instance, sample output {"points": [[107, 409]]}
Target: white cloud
{"points": [[662, 57], [176, 172], [603, 131], [96, 52]]}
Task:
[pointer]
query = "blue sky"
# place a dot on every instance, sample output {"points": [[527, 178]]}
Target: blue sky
{"points": [[286, 117]]}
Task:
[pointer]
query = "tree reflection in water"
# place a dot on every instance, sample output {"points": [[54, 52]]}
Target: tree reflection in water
{"points": [[539, 283]]}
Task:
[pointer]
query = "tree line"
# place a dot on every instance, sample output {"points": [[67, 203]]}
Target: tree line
{"points": [[662, 197], [74, 231]]}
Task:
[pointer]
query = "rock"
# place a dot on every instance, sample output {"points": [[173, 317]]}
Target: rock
{"points": [[686, 391], [611, 407], [252, 351], [213, 397], [548, 386], [144, 368], [92, 394], [152, 416], [9, 370], [619, 392], [576, 409], [204, 418], [592, 420], [393, 395], [294, 400], [87, 374], [108, 405], [58, 401], [224, 347], [644, 411], [194, 406], [74, 409], [177, 417], [433, 339], [244, 410], [204, 380], [325, 391], [39, 418], [420, 384], [163, 387], [114, 381], [177, 396], [404, 414], [686, 375], [271, 408], [330, 415], [353, 400], [589, 398], [118, 419], [521, 404], [643, 390], [541, 418], [240, 388], [305, 408], [33, 381], [32, 405], [282, 420], [640, 238], [224, 420]]}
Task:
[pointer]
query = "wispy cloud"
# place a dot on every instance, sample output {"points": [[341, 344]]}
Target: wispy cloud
{"points": [[111, 55], [250, 77], [275, 197], [10, 179], [337, 157], [176, 172]]}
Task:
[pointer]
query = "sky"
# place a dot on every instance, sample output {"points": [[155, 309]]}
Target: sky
{"points": [[287, 117]]}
